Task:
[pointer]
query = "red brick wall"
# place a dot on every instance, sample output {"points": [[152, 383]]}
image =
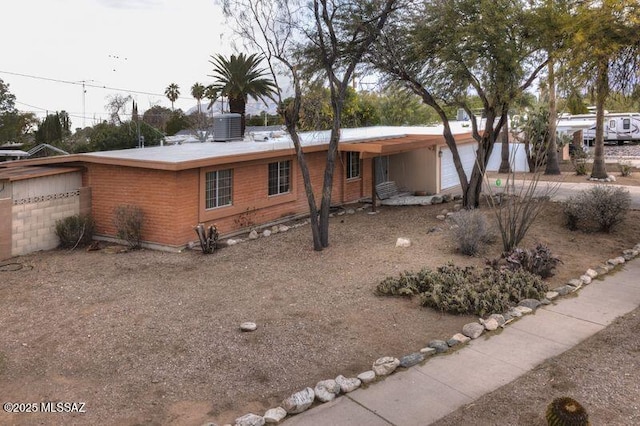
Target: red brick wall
{"points": [[173, 202], [169, 200]]}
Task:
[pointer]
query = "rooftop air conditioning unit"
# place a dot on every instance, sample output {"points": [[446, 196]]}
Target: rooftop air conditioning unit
{"points": [[227, 127]]}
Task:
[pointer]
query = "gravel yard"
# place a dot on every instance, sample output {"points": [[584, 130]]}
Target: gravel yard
{"points": [[153, 338]]}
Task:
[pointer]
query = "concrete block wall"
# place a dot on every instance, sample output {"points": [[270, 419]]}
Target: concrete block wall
{"points": [[33, 224], [5, 228]]}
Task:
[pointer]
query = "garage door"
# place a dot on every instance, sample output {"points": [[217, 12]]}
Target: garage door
{"points": [[448, 175]]}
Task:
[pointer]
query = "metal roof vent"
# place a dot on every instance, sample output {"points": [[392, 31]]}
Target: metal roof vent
{"points": [[227, 127]]}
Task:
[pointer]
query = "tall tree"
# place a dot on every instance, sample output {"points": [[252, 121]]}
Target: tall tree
{"points": [[240, 78], [210, 93], [605, 48], [157, 116], [551, 22], [7, 99], [117, 105], [198, 92], [14, 125], [335, 34], [444, 50], [134, 112], [50, 130], [172, 92]]}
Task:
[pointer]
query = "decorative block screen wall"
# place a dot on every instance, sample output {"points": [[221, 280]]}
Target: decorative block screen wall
{"points": [[36, 204]]}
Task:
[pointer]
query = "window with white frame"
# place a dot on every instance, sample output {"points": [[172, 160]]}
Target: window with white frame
{"points": [[218, 188], [353, 165], [279, 177]]}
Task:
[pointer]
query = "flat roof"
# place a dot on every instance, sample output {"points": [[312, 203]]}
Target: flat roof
{"points": [[379, 140], [28, 172]]}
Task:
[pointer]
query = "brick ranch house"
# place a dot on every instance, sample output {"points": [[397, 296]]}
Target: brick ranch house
{"points": [[235, 185]]}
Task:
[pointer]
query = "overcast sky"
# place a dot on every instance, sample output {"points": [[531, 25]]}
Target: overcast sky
{"points": [[136, 45]]}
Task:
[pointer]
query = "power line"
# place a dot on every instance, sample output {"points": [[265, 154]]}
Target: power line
{"points": [[46, 110], [80, 83]]}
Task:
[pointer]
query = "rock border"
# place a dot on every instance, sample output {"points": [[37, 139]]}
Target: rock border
{"points": [[327, 390]]}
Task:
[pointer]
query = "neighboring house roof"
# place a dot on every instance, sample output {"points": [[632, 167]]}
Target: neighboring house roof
{"points": [[13, 153], [44, 148], [186, 156]]}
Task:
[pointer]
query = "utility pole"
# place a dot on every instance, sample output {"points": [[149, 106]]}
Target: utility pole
{"points": [[84, 94]]}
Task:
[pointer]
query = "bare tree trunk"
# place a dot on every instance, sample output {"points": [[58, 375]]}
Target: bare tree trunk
{"points": [[505, 165], [599, 170], [553, 167], [238, 106], [291, 116], [332, 152]]}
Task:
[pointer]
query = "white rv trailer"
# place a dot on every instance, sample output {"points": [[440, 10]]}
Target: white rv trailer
{"points": [[619, 127]]}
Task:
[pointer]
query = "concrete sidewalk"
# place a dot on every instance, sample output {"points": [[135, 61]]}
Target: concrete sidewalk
{"points": [[423, 394]]}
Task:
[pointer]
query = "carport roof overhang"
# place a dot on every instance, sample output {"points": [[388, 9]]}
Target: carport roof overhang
{"points": [[390, 146]]}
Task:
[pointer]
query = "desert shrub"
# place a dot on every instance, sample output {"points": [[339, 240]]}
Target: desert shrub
{"points": [[538, 261], [466, 290], [74, 231], [128, 220], [572, 211], [625, 168], [471, 231], [579, 161], [600, 208]]}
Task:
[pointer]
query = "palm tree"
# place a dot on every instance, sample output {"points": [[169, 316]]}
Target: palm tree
{"points": [[172, 92], [197, 91], [210, 93], [239, 78]]}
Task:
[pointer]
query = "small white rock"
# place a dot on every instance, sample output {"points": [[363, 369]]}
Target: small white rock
{"points": [[248, 326], [326, 390], [490, 324], [523, 310], [250, 420], [586, 279], [348, 384], [403, 242], [266, 233], [460, 338], [591, 273], [275, 415], [367, 376], [253, 235], [551, 295], [385, 365], [428, 351]]}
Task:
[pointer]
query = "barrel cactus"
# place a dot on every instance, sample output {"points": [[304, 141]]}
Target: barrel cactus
{"points": [[566, 411]]}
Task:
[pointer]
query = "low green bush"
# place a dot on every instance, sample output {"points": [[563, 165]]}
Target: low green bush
{"points": [[600, 208], [75, 231], [466, 290]]}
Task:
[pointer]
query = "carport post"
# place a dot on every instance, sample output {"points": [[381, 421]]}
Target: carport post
{"points": [[373, 184]]}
